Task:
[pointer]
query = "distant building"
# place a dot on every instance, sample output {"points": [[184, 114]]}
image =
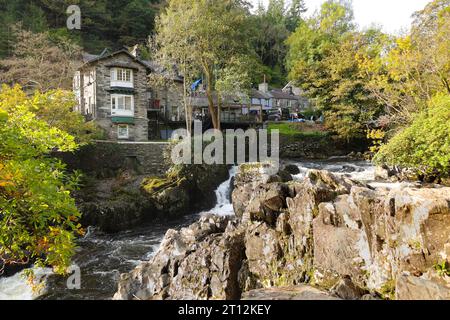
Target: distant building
{"points": [[113, 90]]}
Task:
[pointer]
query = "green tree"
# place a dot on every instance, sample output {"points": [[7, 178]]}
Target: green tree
{"points": [[322, 59], [105, 23], [38, 216], [406, 74], [295, 14], [56, 108], [271, 28], [425, 144], [209, 35], [40, 63]]}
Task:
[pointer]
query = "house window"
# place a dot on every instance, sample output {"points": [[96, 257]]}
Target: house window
{"points": [[122, 131], [121, 77], [122, 105], [76, 81]]}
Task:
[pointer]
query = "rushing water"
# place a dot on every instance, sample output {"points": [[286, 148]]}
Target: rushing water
{"points": [[103, 257], [362, 171]]}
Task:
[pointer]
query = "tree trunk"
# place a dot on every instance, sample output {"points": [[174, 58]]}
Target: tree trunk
{"points": [[187, 108], [212, 110]]}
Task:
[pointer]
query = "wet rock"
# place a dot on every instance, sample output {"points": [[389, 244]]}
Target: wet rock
{"points": [[285, 176], [185, 188], [292, 169], [129, 200], [198, 262], [169, 196], [114, 205], [382, 173], [289, 293]]}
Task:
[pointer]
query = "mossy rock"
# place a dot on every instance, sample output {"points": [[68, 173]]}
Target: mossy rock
{"points": [[155, 184]]}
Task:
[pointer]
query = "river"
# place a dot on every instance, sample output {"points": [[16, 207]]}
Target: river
{"points": [[103, 257]]}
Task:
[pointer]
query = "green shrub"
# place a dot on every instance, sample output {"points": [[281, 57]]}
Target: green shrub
{"points": [[38, 217], [425, 144]]}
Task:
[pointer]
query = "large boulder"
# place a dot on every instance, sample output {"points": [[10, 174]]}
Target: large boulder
{"points": [[341, 243], [128, 200], [170, 196], [114, 204], [201, 261], [249, 178], [375, 235], [292, 169]]}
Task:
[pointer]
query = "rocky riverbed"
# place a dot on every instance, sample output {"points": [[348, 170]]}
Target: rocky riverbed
{"points": [[320, 236], [303, 234]]}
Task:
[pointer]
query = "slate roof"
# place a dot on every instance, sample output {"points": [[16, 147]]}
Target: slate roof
{"points": [[280, 94], [150, 65], [256, 94]]}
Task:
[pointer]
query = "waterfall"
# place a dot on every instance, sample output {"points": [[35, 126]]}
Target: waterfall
{"points": [[16, 287], [224, 207]]}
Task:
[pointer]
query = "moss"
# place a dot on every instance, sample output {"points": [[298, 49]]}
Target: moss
{"points": [[442, 268], [387, 291], [155, 184], [315, 212], [415, 244], [326, 281], [245, 167]]}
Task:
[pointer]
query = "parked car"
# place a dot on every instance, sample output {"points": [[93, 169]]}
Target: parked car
{"points": [[274, 115]]}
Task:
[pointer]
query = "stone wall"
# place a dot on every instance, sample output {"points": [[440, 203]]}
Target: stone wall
{"points": [[318, 147], [106, 159]]}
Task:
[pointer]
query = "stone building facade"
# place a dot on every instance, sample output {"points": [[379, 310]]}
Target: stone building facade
{"points": [[112, 89]]}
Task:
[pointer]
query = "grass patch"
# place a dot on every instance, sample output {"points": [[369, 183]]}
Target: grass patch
{"points": [[299, 129]]}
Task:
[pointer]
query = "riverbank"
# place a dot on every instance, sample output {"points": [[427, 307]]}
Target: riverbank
{"points": [[103, 257]]}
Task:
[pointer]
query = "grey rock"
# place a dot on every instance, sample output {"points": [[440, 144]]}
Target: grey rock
{"points": [[302, 292]]}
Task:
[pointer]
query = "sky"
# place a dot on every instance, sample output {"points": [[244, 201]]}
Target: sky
{"points": [[392, 15]]}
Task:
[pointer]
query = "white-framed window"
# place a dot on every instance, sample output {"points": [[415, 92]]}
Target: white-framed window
{"points": [[76, 81], [122, 131], [122, 105], [121, 77]]}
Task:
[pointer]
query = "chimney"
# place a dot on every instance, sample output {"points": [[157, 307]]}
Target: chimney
{"points": [[264, 87], [136, 51]]}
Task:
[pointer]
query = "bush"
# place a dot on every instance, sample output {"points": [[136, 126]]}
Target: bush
{"points": [[38, 216], [425, 144]]}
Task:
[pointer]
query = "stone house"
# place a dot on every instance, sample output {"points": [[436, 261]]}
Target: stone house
{"points": [[112, 90]]}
